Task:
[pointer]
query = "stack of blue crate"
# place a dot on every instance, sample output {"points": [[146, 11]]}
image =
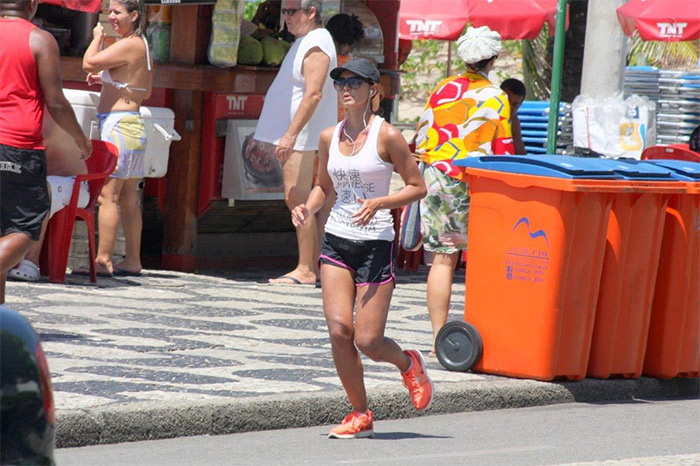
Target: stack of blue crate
{"points": [[534, 121]]}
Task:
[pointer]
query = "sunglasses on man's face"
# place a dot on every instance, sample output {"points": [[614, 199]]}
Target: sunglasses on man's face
{"points": [[290, 11], [354, 82]]}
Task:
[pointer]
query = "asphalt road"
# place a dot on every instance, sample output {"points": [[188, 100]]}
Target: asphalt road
{"points": [[639, 433]]}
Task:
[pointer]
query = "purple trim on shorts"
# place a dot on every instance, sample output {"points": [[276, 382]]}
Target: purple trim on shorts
{"points": [[391, 278], [375, 283], [335, 262]]}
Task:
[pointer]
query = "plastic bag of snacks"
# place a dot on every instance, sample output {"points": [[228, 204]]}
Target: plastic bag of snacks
{"points": [[225, 33]]}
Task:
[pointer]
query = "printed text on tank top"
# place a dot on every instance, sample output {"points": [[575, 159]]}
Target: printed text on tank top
{"points": [[107, 78], [364, 175]]}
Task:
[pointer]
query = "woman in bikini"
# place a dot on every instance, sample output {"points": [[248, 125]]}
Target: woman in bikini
{"points": [[357, 158], [125, 71]]}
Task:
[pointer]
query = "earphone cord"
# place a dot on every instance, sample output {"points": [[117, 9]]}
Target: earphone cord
{"points": [[352, 141], [364, 123]]}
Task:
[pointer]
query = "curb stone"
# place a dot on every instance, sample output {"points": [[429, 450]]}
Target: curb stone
{"points": [[140, 422]]}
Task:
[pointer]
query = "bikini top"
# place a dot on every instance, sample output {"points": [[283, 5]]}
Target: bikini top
{"points": [[107, 78]]}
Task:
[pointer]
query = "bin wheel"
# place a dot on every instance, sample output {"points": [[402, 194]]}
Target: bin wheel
{"points": [[458, 346]]}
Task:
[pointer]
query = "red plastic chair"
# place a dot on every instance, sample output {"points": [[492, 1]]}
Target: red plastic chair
{"points": [[54, 252], [675, 152]]}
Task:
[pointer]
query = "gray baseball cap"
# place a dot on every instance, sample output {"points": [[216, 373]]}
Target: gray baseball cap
{"points": [[360, 66]]}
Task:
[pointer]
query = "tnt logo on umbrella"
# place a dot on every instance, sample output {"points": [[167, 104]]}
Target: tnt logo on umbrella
{"points": [[671, 30], [667, 20], [417, 26]]}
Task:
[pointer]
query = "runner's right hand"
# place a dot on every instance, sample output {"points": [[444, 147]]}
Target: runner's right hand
{"points": [[299, 215]]}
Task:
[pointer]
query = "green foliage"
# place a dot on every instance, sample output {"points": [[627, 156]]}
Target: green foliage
{"points": [[423, 69], [666, 55], [537, 70], [250, 8], [515, 47]]}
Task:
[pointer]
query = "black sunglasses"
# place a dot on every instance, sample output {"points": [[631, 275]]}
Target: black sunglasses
{"points": [[290, 11], [353, 81]]}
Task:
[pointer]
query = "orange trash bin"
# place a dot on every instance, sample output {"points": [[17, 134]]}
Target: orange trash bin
{"points": [[673, 346], [632, 249], [537, 228]]}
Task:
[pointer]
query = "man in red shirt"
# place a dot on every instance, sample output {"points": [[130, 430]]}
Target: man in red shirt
{"points": [[31, 77]]}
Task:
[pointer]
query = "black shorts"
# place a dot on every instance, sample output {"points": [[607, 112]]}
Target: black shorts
{"points": [[24, 196], [371, 262]]}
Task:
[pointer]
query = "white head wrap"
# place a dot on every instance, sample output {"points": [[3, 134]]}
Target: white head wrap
{"points": [[478, 44]]}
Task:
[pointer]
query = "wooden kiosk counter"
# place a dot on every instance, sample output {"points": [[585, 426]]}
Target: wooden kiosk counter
{"points": [[188, 225]]}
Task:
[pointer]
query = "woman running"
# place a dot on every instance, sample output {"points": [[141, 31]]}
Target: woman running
{"points": [[357, 158]]}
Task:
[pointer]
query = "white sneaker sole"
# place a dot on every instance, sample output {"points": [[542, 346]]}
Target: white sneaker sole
{"points": [[363, 434]]}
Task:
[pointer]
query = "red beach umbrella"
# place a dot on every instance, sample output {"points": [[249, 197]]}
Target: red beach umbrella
{"points": [[432, 19], [665, 20], [550, 6], [446, 19], [513, 19]]}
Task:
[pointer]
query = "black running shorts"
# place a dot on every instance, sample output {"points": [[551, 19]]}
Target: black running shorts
{"points": [[371, 262], [24, 196]]}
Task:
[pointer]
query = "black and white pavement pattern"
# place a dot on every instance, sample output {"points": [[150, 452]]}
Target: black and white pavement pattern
{"points": [[166, 337]]}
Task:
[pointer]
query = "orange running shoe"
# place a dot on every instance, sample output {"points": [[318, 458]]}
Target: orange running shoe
{"points": [[355, 425], [418, 382]]}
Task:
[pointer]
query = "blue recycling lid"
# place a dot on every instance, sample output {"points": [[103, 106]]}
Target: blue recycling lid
{"points": [[681, 169], [632, 169], [556, 166]]}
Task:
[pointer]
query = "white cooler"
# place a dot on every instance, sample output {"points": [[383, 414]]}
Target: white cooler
{"points": [[159, 123], [160, 131]]}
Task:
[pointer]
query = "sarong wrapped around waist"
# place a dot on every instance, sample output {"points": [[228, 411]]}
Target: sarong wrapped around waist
{"points": [[126, 131]]}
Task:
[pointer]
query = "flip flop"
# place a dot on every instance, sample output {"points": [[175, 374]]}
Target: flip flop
{"points": [[85, 271], [125, 273], [294, 281]]}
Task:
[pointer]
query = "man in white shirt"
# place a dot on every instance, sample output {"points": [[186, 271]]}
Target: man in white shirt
{"points": [[299, 104]]}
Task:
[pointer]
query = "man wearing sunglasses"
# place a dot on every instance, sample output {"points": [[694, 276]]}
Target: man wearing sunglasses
{"points": [[299, 104]]}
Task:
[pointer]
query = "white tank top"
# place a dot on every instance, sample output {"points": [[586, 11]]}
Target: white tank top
{"points": [[363, 175]]}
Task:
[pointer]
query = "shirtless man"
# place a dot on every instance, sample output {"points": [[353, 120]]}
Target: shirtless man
{"points": [[63, 162], [31, 77]]}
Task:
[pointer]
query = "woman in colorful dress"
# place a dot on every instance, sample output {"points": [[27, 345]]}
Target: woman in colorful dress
{"points": [[465, 116]]}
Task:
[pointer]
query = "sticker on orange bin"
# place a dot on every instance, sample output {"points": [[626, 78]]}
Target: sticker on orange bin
{"points": [[527, 260]]}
